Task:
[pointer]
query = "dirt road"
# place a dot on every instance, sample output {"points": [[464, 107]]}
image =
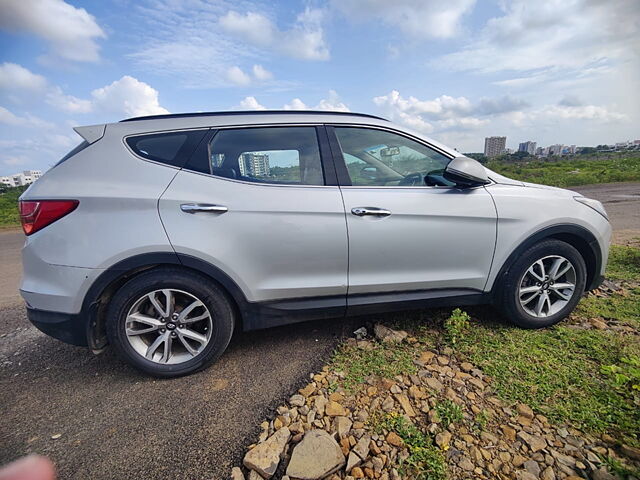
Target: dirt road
{"points": [[116, 423]]}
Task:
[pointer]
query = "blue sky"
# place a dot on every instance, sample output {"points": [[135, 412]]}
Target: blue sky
{"points": [[552, 71]]}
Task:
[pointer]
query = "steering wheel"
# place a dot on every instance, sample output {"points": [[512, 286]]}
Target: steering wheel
{"points": [[413, 179]]}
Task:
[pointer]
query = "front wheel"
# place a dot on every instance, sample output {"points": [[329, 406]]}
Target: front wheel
{"points": [[544, 285], [169, 322]]}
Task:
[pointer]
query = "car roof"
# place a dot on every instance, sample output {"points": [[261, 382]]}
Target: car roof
{"points": [[260, 113], [184, 121]]}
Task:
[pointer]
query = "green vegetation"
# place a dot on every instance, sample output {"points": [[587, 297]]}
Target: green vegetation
{"points": [[9, 216], [589, 378], [617, 467], [579, 170], [455, 325], [571, 373], [383, 360], [425, 461], [449, 412]]}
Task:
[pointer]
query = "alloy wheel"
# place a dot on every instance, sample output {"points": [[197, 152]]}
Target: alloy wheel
{"points": [[168, 326], [547, 286]]}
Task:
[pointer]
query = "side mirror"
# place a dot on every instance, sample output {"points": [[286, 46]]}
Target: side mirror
{"points": [[466, 172]]}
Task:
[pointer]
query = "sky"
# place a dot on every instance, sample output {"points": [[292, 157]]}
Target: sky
{"points": [[551, 71]]}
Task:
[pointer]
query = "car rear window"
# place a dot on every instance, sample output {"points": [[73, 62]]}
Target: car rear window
{"points": [[170, 148]]}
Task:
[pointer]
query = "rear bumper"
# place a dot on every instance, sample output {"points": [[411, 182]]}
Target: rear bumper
{"points": [[67, 327]]}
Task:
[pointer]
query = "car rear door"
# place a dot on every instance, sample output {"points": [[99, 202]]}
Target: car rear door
{"points": [[259, 204], [406, 237]]}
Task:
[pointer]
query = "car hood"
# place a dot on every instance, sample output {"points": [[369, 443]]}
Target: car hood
{"points": [[501, 179]]}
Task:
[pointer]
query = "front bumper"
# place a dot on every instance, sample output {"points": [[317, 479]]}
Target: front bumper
{"points": [[67, 327]]}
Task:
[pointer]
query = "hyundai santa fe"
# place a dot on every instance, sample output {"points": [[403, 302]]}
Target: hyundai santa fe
{"points": [[161, 235]]}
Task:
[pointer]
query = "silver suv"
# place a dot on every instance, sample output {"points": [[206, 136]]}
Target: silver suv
{"points": [[162, 235]]}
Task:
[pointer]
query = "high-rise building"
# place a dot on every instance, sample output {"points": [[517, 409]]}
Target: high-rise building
{"points": [[254, 164], [494, 146], [529, 147], [556, 149]]}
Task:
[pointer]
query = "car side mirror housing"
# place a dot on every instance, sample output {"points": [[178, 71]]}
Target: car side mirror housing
{"points": [[466, 172]]}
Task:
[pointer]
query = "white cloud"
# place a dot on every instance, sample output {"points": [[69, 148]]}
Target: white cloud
{"points": [[72, 32], [9, 118], [250, 103], [261, 74], [444, 112], [332, 104], [463, 123], [304, 40], [552, 37], [416, 18], [579, 112], [129, 96], [16, 77], [295, 104], [184, 40], [236, 76], [68, 103]]}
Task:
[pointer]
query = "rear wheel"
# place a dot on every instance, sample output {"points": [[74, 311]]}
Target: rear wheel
{"points": [[170, 322], [544, 285]]}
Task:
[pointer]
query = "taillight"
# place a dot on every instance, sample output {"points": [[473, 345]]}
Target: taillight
{"points": [[37, 214]]}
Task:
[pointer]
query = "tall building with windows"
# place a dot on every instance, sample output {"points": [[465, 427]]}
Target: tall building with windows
{"points": [[254, 165], [529, 147], [494, 146]]}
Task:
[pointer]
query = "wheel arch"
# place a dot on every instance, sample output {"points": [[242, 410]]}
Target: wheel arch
{"points": [[96, 299], [575, 235]]}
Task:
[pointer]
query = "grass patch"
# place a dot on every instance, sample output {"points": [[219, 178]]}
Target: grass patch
{"points": [[9, 215], [449, 412], [558, 373], [624, 263], [588, 169], [381, 359], [587, 378], [425, 461], [621, 470], [624, 267]]}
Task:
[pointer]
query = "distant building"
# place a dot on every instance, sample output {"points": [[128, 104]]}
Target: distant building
{"points": [[27, 177], [556, 149], [254, 165], [494, 146], [529, 147]]}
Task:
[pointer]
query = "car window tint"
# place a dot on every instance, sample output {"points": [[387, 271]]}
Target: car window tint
{"points": [[281, 155], [380, 158], [171, 148]]}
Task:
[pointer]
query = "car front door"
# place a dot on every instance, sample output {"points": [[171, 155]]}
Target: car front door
{"points": [[254, 203], [410, 230]]}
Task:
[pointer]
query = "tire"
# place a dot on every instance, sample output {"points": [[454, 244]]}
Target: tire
{"points": [[157, 300], [517, 300]]}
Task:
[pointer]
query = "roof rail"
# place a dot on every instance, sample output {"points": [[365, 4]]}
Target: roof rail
{"points": [[248, 112]]}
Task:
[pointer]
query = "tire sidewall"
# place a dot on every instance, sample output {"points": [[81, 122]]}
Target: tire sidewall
{"points": [[511, 300], [222, 316]]}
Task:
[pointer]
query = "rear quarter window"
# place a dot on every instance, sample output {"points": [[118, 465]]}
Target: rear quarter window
{"points": [[170, 148]]}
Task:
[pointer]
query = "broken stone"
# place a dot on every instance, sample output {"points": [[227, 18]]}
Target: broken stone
{"points": [[265, 457], [388, 335], [316, 456]]}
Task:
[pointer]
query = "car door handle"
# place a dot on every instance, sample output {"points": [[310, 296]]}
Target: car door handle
{"points": [[203, 207], [377, 212]]}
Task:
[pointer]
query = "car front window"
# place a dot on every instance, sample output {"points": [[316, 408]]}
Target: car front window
{"points": [[381, 158]]}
